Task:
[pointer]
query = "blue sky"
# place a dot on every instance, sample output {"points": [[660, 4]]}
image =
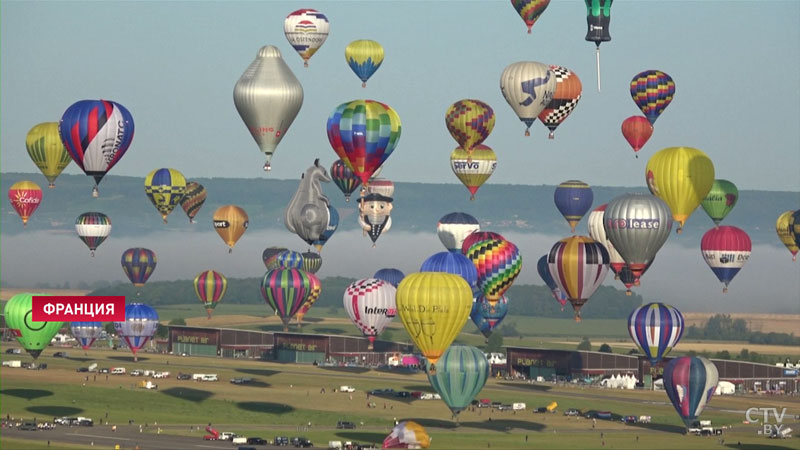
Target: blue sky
{"points": [[736, 65]]}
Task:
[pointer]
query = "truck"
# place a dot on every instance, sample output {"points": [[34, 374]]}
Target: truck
{"points": [[518, 406], [118, 371], [14, 363], [347, 389]]}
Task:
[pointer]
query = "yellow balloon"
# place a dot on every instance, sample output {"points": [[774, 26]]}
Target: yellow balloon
{"points": [[364, 57], [47, 150], [231, 222], [783, 226], [474, 168], [433, 306], [682, 177]]}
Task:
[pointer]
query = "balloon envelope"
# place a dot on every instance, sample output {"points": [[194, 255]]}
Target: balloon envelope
{"points": [[390, 275], [544, 272], [784, 226], [530, 10], [370, 304], [93, 228], [193, 199], [165, 189], [285, 291], [454, 263], [690, 383], [655, 328], [475, 168], [230, 222], [210, 287], [682, 177], [573, 199], [47, 150], [461, 373], [407, 434], [138, 264], [306, 30], [270, 256], [578, 264], [726, 249], [469, 122], [528, 87], [637, 131], [33, 336], [86, 332], [364, 58], [498, 263], [25, 197], [344, 178], [454, 227], [720, 200], [141, 322], [486, 317], [652, 91], [565, 99]]}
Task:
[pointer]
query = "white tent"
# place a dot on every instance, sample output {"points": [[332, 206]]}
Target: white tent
{"points": [[725, 388]]}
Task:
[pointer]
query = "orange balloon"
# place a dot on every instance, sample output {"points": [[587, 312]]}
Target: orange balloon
{"points": [[637, 131], [231, 222]]}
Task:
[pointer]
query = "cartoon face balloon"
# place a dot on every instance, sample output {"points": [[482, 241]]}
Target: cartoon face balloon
{"points": [[374, 211]]}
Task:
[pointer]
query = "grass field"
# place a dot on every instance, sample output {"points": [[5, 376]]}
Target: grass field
{"points": [[765, 323], [284, 397]]}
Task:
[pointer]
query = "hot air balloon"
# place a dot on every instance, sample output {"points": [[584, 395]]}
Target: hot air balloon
{"points": [[461, 373], [47, 150], [370, 303], [597, 231], [720, 200], [231, 222], [469, 122], [544, 272], [86, 332], [655, 328], [487, 318], [374, 212], [433, 306], [390, 275], [528, 87], [498, 262], [165, 189], [193, 199], [210, 287], [530, 10], [33, 336], [598, 20], [330, 228], [565, 99], [311, 262], [473, 169], [96, 133], [289, 259], [578, 264], [796, 225], [690, 382], [285, 291], [314, 291], [93, 228], [637, 225], [407, 434], [25, 196], [637, 131], [344, 178], [725, 250], [783, 226], [573, 198], [380, 186], [652, 91], [682, 177], [138, 264], [270, 256], [451, 262], [306, 214], [452, 228], [477, 236], [268, 98], [364, 58], [628, 278], [141, 322], [306, 30], [364, 133]]}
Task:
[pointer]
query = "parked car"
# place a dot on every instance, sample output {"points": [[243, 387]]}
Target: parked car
{"points": [[136, 373], [184, 376], [540, 410], [504, 407], [496, 404], [14, 351], [347, 389], [60, 355], [103, 370], [226, 436], [344, 425], [303, 443], [82, 369], [257, 441], [29, 426], [403, 394], [281, 440], [572, 412], [241, 380]]}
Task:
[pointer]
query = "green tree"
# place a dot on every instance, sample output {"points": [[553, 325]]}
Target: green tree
{"points": [[585, 344], [109, 327], [162, 331], [177, 321], [494, 343], [605, 348]]}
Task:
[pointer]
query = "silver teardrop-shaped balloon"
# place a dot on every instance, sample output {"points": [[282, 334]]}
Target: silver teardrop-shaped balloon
{"points": [[268, 97], [637, 225]]}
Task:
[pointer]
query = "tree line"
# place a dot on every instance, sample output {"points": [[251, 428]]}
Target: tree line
{"points": [[721, 327]]}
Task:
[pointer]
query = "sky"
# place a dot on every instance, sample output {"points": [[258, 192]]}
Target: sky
{"points": [[736, 65]]}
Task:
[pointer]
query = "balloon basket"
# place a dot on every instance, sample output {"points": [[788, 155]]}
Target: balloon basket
{"points": [[51, 186], [230, 250], [679, 230], [92, 253], [628, 293], [267, 167], [305, 64], [364, 84], [472, 198], [725, 290], [527, 133], [551, 135], [95, 192]]}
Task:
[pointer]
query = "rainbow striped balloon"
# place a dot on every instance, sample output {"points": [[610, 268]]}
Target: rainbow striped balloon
{"points": [[578, 265], [314, 290], [138, 264], [498, 262], [285, 291], [652, 91], [655, 328], [210, 287], [530, 10]]}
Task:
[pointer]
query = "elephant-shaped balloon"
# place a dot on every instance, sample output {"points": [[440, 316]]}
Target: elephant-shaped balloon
{"points": [[373, 214], [307, 212]]}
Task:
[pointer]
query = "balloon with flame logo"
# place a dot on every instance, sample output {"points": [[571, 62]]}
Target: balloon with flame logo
{"points": [[165, 189], [655, 328], [193, 199], [230, 222], [652, 91], [573, 199], [462, 373], [25, 196], [86, 332], [784, 226], [487, 318], [726, 249], [390, 275], [530, 10], [682, 177], [407, 434], [433, 306], [268, 97], [453, 228], [93, 228], [344, 178], [371, 305], [139, 326], [314, 291], [210, 287], [285, 291], [47, 150], [720, 200], [544, 272], [364, 133], [498, 263], [578, 265], [528, 87], [96, 133], [306, 30], [364, 58], [469, 122], [33, 336], [270, 256], [637, 131], [138, 264], [475, 168], [690, 382], [565, 99]]}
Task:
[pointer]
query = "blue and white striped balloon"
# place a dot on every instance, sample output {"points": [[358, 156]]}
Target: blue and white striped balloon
{"points": [[655, 328]]}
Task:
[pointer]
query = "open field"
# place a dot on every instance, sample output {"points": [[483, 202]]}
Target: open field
{"points": [[284, 397], [765, 323]]}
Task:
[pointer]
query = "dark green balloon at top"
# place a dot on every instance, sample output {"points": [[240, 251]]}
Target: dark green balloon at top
{"points": [[598, 19], [720, 200], [33, 336]]}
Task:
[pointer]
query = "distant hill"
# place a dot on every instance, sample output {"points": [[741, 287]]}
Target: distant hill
{"points": [[417, 206]]}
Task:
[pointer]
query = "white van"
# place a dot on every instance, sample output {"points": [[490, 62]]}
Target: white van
{"points": [[117, 371], [210, 377], [518, 406], [239, 440], [347, 389], [198, 376]]}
